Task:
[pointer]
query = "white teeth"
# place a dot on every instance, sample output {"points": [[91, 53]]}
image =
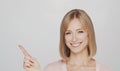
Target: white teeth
{"points": [[75, 44]]}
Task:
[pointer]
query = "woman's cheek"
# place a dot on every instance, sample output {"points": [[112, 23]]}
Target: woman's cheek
{"points": [[82, 36], [67, 38]]}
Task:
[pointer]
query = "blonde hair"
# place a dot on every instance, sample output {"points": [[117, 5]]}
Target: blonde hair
{"points": [[83, 17]]}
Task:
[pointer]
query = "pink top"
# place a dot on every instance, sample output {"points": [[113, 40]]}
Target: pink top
{"points": [[61, 66]]}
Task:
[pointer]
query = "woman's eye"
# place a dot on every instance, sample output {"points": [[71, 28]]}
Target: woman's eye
{"points": [[67, 33], [80, 31]]}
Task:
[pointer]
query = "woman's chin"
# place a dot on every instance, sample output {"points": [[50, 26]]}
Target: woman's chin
{"points": [[76, 50]]}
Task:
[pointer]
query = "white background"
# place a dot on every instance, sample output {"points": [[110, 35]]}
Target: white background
{"points": [[36, 23]]}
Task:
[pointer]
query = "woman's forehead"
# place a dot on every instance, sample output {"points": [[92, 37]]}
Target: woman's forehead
{"points": [[75, 24]]}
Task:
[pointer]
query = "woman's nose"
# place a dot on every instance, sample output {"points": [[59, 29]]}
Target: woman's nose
{"points": [[74, 37]]}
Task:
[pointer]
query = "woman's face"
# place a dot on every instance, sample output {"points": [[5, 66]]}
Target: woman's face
{"points": [[76, 37]]}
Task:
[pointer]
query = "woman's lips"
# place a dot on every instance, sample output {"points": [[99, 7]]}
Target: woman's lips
{"points": [[75, 44]]}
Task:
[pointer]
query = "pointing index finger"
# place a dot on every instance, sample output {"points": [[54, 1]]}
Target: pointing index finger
{"points": [[24, 51]]}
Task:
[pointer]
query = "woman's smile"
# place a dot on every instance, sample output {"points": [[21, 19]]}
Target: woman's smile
{"points": [[76, 44]]}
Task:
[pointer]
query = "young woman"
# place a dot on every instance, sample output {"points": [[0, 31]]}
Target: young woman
{"points": [[77, 46]]}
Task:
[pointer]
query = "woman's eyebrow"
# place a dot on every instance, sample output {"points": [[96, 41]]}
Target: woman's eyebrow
{"points": [[67, 30]]}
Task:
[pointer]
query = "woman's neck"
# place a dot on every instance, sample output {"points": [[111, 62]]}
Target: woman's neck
{"points": [[79, 58]]}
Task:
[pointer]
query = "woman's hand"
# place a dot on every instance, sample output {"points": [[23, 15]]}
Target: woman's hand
{"points": [[30, 63]]}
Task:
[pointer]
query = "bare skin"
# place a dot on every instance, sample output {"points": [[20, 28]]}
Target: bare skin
{"points": [[29, 63]]}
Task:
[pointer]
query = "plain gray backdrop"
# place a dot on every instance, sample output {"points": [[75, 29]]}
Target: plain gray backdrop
{"points": [[36, 24]]}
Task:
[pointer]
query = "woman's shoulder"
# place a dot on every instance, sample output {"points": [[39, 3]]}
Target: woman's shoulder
{"points": [[102, 67], [55, 66]]}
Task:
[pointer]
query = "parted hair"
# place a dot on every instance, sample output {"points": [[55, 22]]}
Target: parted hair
{"points": [[83, 17]]}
